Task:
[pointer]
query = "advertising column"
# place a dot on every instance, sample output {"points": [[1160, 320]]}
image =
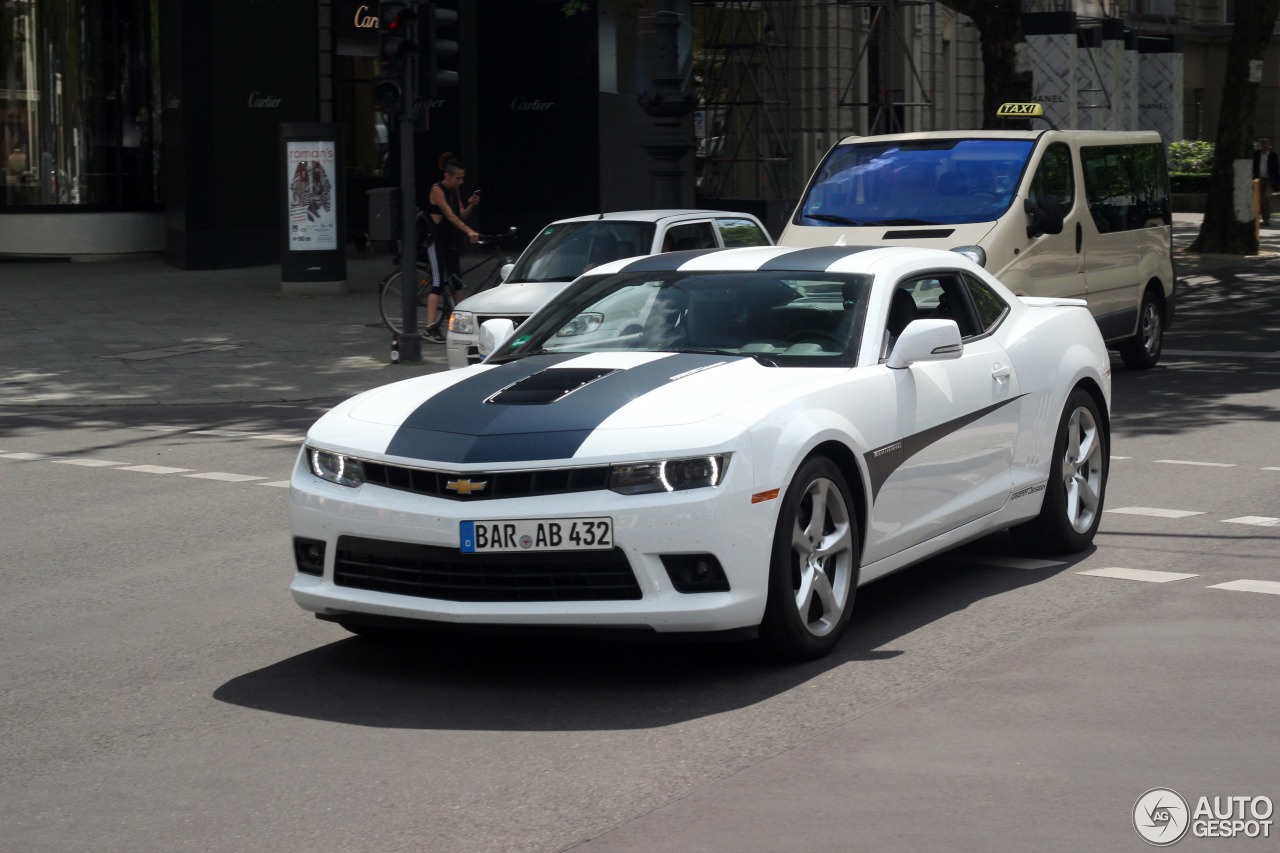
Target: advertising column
{"points": [[312, 253]]}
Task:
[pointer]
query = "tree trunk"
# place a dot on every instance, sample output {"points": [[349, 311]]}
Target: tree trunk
{"points": [[1222, 231], [1006, 74]]}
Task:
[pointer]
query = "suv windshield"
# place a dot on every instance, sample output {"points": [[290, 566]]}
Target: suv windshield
{"points": [[781, 319], [564, 251], [924, 182]]}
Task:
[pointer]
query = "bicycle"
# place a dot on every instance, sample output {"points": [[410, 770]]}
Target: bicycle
{"points": [[389, 289]]}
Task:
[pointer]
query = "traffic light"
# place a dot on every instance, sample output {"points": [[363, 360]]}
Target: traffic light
{"points": [[431, 77], [395, 47]]}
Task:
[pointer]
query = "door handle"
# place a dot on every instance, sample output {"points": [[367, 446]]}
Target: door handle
{"points": [[1000, 372]]}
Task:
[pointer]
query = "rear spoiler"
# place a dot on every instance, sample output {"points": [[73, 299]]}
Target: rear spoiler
{"points": [[1053, 302]]}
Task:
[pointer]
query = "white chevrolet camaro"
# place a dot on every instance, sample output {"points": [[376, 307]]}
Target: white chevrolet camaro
{"points": [[718, 441]]}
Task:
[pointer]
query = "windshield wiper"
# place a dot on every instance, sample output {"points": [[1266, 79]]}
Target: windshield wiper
{"points": [[839, 220]]}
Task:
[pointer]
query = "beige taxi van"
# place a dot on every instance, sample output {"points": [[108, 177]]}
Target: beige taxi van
{"points": [[1061, 213]]}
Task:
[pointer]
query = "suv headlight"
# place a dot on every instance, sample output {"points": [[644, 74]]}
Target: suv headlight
{"points": [[462, 323], [336, 468], [668, 475], [581, 325]]}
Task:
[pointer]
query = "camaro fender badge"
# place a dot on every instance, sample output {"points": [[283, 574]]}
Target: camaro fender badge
{"points": [[465, 487], [897, 445], [1029, 490]]}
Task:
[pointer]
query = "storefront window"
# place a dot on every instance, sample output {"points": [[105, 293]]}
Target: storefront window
{"points": [[79, 96]]}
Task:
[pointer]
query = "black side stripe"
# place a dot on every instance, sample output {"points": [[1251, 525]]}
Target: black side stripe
{"points": [[816, 259], [664, 261], [883, 461], [458, 426]]}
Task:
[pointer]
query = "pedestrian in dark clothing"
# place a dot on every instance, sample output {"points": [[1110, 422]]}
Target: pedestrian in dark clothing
{"points": [[448, 214], [1266, 165]]}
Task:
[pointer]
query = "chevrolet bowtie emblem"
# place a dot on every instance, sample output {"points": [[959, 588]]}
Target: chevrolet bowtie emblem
{"points": [[465, 487]]}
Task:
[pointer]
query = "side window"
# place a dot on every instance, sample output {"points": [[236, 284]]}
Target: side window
{"points": [[931, 298], [1055, 176], [1151, 179], [1108, 183], [989, 306], [689, 235], [741, 232]]}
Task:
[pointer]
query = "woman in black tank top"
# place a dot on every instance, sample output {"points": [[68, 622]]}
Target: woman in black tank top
{"points": [[448, 214]]}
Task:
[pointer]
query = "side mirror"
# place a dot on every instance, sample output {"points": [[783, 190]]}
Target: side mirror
{"points": [[505, 272], [1044, 217], [493, 334], [924, 340]]}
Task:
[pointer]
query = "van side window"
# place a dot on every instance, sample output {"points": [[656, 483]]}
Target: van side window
{"points": [[990, 307], [1127, 186], [1055, 176]]}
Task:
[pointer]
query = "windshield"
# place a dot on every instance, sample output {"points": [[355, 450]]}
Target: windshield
{"points": [[565, 251], [780, 319], [925, 182]]}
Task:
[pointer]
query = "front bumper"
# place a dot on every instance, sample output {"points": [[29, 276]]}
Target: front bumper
{"points": [[719, 521]]}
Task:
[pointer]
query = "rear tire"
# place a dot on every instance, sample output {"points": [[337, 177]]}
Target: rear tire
{"points": [[1142, 351], [1074, 495], [813, 571]]}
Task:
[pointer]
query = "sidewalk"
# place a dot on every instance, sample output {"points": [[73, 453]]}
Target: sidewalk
{"points": [[141, 332]]}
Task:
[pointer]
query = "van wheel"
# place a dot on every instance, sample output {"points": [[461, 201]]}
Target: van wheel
{"points": [[813, 573], [1142, 351]]}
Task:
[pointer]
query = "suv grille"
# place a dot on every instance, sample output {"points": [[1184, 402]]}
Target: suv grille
{"points": [[426, 571], [502, 484]]}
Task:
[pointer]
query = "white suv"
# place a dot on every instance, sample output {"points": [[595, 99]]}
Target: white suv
{"points": [[569, 247]]}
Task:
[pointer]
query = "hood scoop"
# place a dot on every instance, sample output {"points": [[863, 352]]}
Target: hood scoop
{"points": [[548, 386]]}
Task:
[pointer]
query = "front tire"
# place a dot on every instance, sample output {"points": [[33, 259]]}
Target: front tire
{"points": [[1073, 498], [1142, 351], [813, 571]]}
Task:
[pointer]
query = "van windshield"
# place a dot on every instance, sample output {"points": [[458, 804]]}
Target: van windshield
{"points": [[924, 182], [564, 251]]}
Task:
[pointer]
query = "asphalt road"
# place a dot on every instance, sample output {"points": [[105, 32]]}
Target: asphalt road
{"points": [[163, 693]]}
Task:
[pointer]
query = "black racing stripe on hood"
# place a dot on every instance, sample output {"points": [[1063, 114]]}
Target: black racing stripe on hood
{"points": [[816, 259], [664, 261], [457, 425]]}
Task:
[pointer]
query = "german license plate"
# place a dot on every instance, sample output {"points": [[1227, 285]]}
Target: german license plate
{"points": [[537, 534]]}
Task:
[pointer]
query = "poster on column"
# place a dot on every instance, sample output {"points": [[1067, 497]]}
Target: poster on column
{"points": [[313, 216]]}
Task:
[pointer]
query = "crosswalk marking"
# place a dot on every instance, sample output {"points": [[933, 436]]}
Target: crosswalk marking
{"points": [[221, 433], [279, 484], [156, 469], [89, 463], [30, 457], [1259, 520], [281, 437], [224, 477], [1268, 587], [1204, 464], [1138, 575], [1154, 511]]}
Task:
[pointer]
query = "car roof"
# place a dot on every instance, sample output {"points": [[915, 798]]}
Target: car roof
{"points": [[654, 215]]}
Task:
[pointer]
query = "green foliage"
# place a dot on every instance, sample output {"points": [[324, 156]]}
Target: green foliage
{"points": [[1191, 156], [573, 7]]}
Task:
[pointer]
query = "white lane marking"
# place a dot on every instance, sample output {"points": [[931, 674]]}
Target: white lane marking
{"points": [[30, 457], [1259, 520], [1114, 458], [1138, 575], [1005, 561], [224, 477], [155, 469], [1205, 464], [1153, 511], [1271, 469], [98, 424], [1219, 353], [223, 433], [90, 463], [1269, 587], [274, 437], [159, 428], [279, 484]]}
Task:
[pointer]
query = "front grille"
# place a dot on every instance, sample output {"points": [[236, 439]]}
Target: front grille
{"points": [[501, 484], [426, 571]]}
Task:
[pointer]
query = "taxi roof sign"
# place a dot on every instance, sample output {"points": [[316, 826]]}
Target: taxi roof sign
{"points": [[1020, 111]]}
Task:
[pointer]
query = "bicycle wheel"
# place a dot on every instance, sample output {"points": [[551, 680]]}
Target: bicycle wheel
{"points": [[390, 300]]}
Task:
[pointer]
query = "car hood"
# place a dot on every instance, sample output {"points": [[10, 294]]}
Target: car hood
{"points": [[512, 297], [559, 406]]}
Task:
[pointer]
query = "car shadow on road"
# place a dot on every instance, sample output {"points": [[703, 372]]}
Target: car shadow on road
{"points": [[477, 682]]}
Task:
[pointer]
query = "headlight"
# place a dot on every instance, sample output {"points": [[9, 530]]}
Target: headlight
{"points": [[335, 467], [581, 324], [462, 323], [668, 475]]}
